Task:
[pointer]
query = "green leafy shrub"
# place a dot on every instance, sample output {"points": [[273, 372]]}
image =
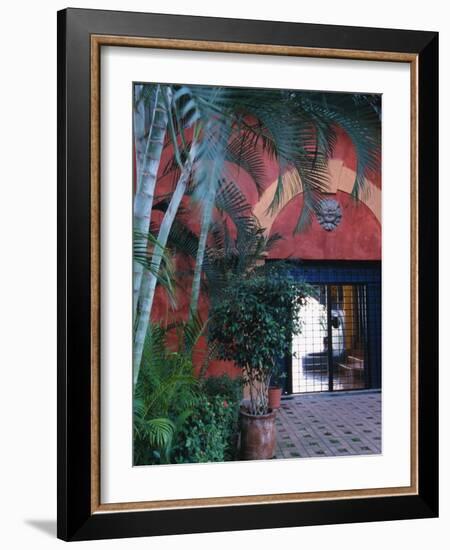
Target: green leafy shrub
{"points": [[230, 390], [223, 385], [165, 393], [162, 402], [253, 323], [208, 435]]}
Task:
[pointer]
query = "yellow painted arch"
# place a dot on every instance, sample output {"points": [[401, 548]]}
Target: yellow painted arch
{"points": [[342, 178]]}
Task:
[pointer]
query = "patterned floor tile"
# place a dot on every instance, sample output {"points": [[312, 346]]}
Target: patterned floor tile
{"points": [[329, 425]]}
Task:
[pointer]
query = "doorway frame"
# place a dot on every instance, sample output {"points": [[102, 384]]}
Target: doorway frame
{"points": [[347, 272]]}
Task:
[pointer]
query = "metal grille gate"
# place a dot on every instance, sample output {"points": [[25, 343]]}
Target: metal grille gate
{"points": [[330, 353], [351, 289]]}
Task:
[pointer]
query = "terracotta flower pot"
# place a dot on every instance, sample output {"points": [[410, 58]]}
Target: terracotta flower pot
{"points": [[274, 398], [258, 436]]}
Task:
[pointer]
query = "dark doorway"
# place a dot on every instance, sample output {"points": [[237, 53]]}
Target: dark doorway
{"points": [[345, 311]]}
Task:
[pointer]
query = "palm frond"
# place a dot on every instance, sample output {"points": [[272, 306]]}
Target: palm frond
{"points": [[360, 120], [242, 153], [145, 93], [143, 249], [193, 330], [160, 432], [182, 239]]}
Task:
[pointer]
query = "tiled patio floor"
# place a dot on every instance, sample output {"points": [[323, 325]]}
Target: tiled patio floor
{"points": [[327, 424]]}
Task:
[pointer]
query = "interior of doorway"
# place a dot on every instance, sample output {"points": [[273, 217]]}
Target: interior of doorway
{"points": [[330, 353]]}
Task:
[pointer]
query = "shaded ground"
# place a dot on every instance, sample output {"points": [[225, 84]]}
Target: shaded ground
{"points": [[329, 424]]}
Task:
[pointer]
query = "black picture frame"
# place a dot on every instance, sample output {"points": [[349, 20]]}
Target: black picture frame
{"points": [[76, 521]]}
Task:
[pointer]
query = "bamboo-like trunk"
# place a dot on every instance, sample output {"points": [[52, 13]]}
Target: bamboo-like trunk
{"points": [[139, 131], [206, 218], [143, 201], [148, 285], [206, 221]]}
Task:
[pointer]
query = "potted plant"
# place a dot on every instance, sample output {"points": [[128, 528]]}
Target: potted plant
{"points": [[252, 325], [276, 387]]}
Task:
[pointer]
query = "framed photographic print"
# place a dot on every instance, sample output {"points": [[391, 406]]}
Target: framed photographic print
{"points": [[247, 274]]}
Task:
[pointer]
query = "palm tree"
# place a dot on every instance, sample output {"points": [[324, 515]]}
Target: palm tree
{"points": [[165, 390], [237, 244], [189, 153], [240, 126], [150, 278], [207, 185], [298, 131], [147, 168], [191, 161], [289, 138]]}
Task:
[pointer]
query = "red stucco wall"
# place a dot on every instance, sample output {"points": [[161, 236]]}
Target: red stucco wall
{"points": [[358, 237]]}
